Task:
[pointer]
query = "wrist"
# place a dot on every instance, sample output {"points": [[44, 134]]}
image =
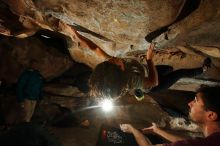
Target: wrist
{"points": [[157, 130], [149, 60], [133, 130]]}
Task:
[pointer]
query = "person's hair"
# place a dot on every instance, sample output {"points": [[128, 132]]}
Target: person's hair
{"points": [[211, 98], [107, 80], [134, 75]]}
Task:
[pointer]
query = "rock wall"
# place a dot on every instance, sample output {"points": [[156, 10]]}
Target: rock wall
{"points": [[16, 55]]}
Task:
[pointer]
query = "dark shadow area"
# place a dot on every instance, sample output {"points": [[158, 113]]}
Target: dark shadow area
{"points": [[78, 75], [156, 33], [85, 30], [54, 40], [187, 9], [8, 19], [112, 136], [65, 118], [174, 102], [28, 134], [155, 139]]}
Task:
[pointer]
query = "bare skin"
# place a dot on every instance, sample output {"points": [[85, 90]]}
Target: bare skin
{"points": [[86, 42], [140, 138], [205, 118], [150, 81], [155, 129]]}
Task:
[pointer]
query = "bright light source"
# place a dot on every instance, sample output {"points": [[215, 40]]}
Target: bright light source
{"points": [[107, 105]]}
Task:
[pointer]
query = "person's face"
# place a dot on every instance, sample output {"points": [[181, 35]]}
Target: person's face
{"points": [[197, 111]]}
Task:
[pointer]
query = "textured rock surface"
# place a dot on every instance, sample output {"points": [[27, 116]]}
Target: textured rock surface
{"points": [[204, 38], [117, 28], [120, 23], [203, 14], [16, 55]]}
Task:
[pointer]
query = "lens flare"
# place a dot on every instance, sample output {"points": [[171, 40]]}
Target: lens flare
{"points": [[107, 105]]}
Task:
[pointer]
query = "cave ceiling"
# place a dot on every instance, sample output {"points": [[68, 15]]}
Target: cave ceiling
{"points": [[183, 30], [47, 31]]}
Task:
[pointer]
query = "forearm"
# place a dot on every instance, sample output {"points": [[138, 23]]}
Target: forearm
{"points": [[140, 138], [153, 75], [85, 41], [169, 136]]}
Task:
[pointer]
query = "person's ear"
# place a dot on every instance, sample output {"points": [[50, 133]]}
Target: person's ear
{"points": [[212, 116]]}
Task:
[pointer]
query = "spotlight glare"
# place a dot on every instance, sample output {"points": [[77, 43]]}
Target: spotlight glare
{"points": [[107, 105]]}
